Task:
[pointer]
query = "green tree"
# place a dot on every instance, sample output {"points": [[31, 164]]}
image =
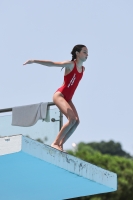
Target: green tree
{"points": [[111, 147]]}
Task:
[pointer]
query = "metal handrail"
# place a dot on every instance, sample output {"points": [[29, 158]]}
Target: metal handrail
{"points": [[49, 104]]}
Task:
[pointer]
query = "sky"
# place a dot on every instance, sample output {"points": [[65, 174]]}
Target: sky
{"points": [[48, 30]]}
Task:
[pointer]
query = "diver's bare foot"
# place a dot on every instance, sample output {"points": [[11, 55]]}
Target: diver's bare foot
{"points": [[61, 146], [57, 147]]}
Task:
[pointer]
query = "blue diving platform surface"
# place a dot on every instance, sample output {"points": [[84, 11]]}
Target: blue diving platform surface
{"points": [[30, 170]]}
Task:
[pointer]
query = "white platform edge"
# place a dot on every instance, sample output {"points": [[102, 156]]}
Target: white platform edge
{"points": [[17, 143]]}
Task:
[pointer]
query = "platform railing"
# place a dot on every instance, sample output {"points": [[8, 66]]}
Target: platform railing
{"points": [[48, 129], [49, 104]]}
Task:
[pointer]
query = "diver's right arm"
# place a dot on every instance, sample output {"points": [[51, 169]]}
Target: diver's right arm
{"points": [[66, 64]]}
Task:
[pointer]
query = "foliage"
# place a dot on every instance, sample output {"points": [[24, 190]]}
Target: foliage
{"points": [[111, 147]]}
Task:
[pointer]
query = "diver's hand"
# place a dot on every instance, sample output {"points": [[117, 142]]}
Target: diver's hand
{"points": [[29, 62]]}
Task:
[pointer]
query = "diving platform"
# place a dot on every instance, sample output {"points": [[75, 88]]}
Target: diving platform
{"points": [[32, 170]]}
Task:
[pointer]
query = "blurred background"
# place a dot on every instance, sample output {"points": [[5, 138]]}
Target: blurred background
{"points": [[48, 30]]}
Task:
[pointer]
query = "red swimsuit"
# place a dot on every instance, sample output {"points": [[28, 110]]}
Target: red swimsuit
{"points": [[71, 82]]}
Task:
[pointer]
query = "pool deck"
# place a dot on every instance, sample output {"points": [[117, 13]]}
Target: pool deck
{"points": [[32, 170]]}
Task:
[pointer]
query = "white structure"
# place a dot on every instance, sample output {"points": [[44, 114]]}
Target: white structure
{"points": [[31, 170]]}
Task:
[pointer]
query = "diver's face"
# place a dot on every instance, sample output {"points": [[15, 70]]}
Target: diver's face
{"points": [[83, 54]]}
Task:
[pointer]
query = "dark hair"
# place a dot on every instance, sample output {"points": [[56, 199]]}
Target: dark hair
{"points": [[76, 48]]}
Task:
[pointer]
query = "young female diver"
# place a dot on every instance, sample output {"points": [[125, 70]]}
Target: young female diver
{"points": [[63, 96]]}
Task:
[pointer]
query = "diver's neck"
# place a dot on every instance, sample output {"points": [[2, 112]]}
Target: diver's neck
{"points": [[79, 63]]}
